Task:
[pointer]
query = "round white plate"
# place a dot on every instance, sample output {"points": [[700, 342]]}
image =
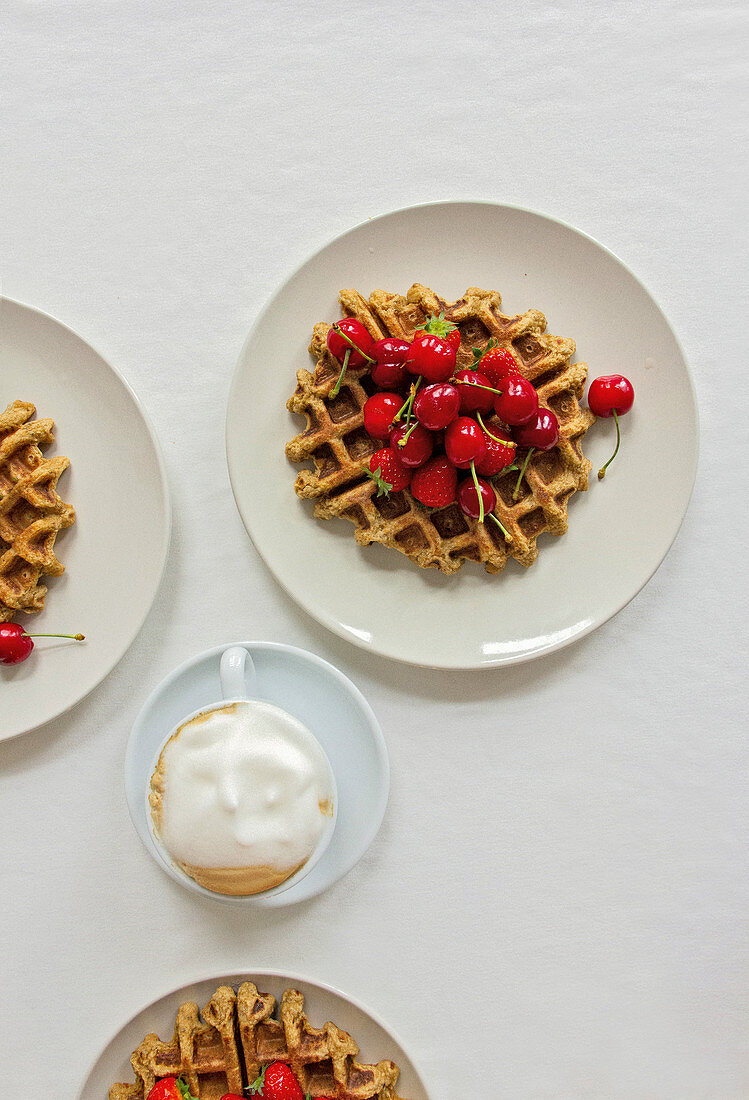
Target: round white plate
{"points": [[319, 696], [322, 1003], [115, 552], [619, 532]]}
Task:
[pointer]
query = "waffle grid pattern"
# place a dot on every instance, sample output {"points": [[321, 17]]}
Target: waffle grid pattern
{"points": [[336, 444]]}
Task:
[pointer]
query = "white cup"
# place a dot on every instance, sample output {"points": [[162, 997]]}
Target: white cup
{"points": [[239, 685]]}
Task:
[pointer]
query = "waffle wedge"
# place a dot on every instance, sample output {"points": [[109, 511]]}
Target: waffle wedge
{"points": [[31, 511], [239, 1035], [337, 446]]}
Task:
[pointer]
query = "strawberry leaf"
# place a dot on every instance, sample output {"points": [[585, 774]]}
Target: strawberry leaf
{"points": [[258, 1083], [376, 476], [437, 326], [184, 1090], [479, 353]]}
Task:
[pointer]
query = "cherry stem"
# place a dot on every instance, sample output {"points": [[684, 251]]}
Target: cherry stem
{"points": [[496, 438], [478, 492], [501, 526], [74, 637], [477, 385], [353, 345], [407, 404], [402, 442], [516, 490], [602, 471], [336, 388]]}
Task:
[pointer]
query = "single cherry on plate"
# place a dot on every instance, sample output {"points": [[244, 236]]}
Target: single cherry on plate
{"points": [[413, 443], [541, 434], [464, 442], [475, 391], [390, 366], [518, 404], [611, 395], [16, 645], [379, 412], [431, 357], [389, 473], [437, 405], [434, 483]]}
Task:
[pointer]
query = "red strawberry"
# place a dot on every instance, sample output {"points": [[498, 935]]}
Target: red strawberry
{"points": [[496, 364], [388, 472], [277, 1082], [170, 1088], [435, 483], [500, 452]]}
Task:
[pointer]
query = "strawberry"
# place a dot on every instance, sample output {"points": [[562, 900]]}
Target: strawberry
{"points": [[496, 363], [435, 483], [500, 452], [276, 1082], [388, 472], [170, 1088]]}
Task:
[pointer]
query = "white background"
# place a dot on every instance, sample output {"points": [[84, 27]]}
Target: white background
{"points": [[556, 904]]}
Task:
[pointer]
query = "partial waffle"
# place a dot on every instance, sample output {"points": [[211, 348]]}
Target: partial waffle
{"points": [[239, 1036], [337, 445], [31, 511]]}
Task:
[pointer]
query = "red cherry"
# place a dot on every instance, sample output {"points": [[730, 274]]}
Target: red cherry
{"points": [[16, 644], [434, 483], [472, 397], [357, 335], [497, 364], [464, 442], [519, 402], [388, 472], [436, 405], [431, 357], [390, 367], [542, 432], [500, 452], [379, 411], [609, 394], [468, 498], [413, 443]]}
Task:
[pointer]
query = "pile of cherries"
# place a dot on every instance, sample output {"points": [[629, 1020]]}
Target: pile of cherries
{"points": [[439, 428], [449, 421]]}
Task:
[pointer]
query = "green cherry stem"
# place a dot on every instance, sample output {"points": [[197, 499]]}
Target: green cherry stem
{"points": [[353, 345], [74, 637], [402, 442], [479, 494], [476, 385], [602, 471], [408, 403], [516, 490], [496, 438], [336, 388], [501, 526]]}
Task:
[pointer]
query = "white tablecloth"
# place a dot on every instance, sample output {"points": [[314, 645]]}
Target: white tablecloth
{"points": [[556, 904]]}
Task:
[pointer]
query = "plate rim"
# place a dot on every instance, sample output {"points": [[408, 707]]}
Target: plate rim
{"points": [[326, 619], [353, 691], [247, 975], [166, 502]]}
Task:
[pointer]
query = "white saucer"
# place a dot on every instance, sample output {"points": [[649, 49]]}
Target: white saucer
{"points": [[115, 552], [619, 531], [376, 1041], [325, 701]]}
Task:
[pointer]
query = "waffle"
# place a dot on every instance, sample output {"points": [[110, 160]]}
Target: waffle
{"points": [[239, 1035], [31, 512], [335, 442]]}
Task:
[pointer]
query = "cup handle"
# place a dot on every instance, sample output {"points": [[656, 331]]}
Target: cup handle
{"points": [[237, 674]]}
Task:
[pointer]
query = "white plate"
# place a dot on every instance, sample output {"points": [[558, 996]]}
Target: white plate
{"points": [[114, 554], [321, 697], [619, 532], [322, 1003]]}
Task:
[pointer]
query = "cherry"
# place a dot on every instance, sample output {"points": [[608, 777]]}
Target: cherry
{"points": [[379, 413], [431, 357], [519, 402], [476, 503], [541, 434], [390, 366], [414, 444], [611, 395], [437, 405], [464, 442], [475, 391], [16, 644], [350, 342]]}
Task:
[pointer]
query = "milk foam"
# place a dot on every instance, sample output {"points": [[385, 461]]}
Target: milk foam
{"points": [[244, 785]]}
